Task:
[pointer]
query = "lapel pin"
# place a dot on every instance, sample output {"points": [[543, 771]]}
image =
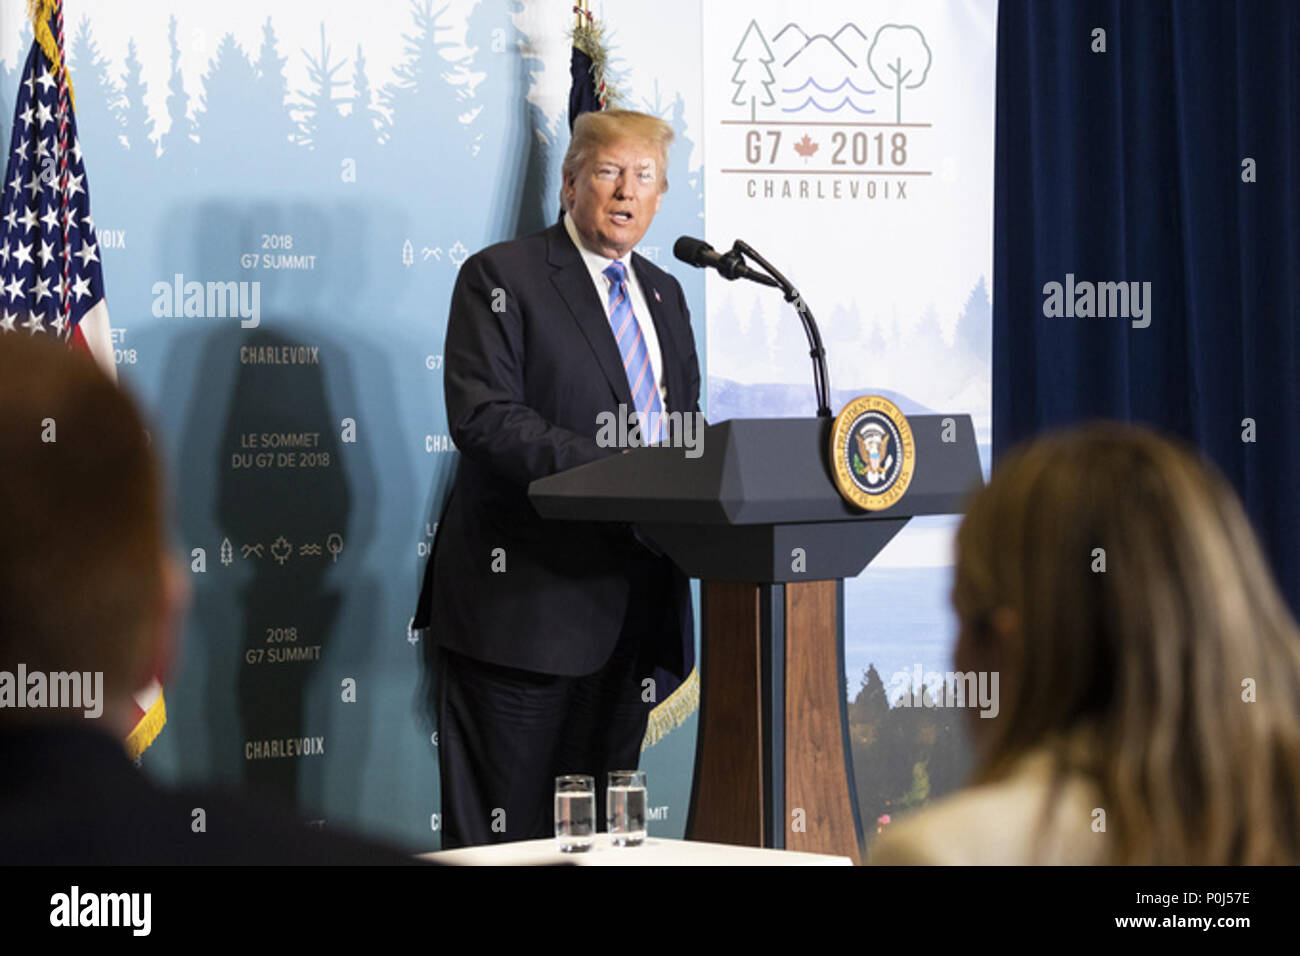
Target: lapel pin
{"points": [[656, 292]]}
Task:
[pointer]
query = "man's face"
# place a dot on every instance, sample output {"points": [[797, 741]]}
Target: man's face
{"points": [[614, 197]]}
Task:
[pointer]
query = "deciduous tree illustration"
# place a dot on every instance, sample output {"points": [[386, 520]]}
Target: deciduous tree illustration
{"points": [[753, 77], [899, 59]]}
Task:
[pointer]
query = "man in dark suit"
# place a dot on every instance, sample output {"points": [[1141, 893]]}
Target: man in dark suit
{"points": [[89, 603], [548, 633]]}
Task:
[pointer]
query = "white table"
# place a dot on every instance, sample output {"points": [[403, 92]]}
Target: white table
{"points": [[656, 851]]}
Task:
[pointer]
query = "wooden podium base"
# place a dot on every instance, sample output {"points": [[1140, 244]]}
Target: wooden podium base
{"points": [[771, 763]]}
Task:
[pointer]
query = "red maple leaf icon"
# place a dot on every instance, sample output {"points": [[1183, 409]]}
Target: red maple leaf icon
{"points": [[805, 147]]}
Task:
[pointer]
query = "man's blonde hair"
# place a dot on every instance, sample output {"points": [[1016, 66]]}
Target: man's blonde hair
{"points": [[595, 130]]}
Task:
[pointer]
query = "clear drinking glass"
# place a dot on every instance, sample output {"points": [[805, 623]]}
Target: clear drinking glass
{"points": [[625, 806], [575, 812]]}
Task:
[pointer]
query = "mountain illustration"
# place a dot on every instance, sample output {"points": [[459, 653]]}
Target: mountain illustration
{"points": [[789, 40], [848, 41], [821, 55], [853, 42]]}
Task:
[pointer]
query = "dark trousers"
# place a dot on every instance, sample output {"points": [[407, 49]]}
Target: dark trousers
{"points": [[505, 734]]}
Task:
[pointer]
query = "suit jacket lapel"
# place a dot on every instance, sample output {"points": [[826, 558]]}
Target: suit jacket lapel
{"points": [[573, 282]]}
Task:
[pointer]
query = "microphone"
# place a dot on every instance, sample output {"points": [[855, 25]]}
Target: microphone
{"points": [[698, 253]]}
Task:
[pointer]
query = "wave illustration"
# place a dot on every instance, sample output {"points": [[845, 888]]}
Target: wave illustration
{"points": [[827, 109], [811, 82]]}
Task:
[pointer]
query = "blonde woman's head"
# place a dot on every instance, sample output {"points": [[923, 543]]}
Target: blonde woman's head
{"points": [[1114, 581]]}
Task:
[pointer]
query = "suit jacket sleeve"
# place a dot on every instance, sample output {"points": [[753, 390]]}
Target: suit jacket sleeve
{"points": [[487, 411], [692, 360]]}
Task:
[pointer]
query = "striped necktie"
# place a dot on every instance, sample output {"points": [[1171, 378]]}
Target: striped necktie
{"points": [[636, 357]]}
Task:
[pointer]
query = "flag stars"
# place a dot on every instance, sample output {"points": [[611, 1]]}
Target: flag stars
{"points": [[45, 286]]}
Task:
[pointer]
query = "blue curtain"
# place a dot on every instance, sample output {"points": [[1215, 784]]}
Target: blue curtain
{"points": [[1127, 166]]}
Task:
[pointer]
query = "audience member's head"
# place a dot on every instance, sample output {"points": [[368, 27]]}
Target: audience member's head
{"points": [[1114, 582], [85, 582]]}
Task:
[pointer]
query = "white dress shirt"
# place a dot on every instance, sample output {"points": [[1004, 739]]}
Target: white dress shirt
{"points": [[596, 265]]}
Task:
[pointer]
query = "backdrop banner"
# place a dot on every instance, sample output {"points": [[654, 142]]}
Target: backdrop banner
{"points": [[852, 145], [282, 196]]}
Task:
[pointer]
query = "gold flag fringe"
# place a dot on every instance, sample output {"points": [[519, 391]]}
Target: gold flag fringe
{"points": [[589, 37], [40, 12], [147, 729], [672, 712]]}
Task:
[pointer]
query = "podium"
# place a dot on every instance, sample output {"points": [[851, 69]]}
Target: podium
{"points": [[756, 517]]}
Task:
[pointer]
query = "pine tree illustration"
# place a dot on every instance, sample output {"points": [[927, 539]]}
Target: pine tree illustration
{"points": [[221, 118], [180, 141], [321, 127], [98, 95], [365, 120], [409, 98], [268, 112], [137, 124]]}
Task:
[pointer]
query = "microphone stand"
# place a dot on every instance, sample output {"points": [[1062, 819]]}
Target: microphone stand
{"points": [[821, 378]]}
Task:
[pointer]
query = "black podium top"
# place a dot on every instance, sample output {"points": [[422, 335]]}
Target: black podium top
{"points": [[757, 471], [758, 502]]}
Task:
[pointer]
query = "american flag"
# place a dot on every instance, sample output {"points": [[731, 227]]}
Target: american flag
{"points": [[51, 280], [587, 91], [49, 259]]}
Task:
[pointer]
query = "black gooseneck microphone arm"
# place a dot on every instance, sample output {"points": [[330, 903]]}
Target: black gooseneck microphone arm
{"points": [[821, 378]]}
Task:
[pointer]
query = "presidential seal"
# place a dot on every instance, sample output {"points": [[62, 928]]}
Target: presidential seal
{"points": [[872, 453]]}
